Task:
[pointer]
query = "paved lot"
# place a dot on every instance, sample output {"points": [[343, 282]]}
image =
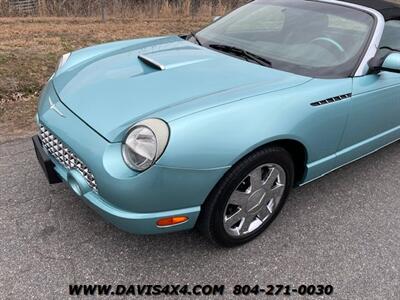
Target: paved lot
{"points": [[342, 230]]}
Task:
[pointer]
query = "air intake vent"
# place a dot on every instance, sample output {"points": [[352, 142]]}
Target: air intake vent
{"points": [[332, 100], [151, 62]]}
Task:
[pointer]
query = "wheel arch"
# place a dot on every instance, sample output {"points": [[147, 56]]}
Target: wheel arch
{"points": [[299, 154], [297, 150]]}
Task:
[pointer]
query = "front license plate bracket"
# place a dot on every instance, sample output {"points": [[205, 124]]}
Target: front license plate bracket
{"points": [[45, 162]]}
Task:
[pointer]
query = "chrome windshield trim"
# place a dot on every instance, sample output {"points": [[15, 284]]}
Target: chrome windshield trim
{"points": [[373, 47]]}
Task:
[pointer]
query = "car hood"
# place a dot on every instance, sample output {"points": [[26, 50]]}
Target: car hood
{"points": [[112, 86]]}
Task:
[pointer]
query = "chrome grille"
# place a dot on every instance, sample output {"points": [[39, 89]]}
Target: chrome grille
{"points": [[65, 156]]}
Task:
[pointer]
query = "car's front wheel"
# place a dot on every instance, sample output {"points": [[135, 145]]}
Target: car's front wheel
{"points": [[248, 198]]}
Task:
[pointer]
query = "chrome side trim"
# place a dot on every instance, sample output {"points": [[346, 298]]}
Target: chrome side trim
{"points": [[151, 62], [363, 67]]}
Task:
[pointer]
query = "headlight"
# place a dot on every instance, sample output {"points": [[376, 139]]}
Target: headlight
{"points": [[145, 143], [63, 60]]}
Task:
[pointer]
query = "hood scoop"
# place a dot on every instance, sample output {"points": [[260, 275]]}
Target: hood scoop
{"points": [[151, 62], [175, 57]]}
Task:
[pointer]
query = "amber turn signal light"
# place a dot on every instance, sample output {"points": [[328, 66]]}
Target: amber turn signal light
{"points": [[171, 221]]}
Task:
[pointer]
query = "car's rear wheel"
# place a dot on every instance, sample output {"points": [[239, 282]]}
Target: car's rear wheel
{"points": [[249, 197]]}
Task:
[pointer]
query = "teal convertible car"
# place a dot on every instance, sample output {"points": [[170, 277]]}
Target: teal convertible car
{"points": [[213, 129]]}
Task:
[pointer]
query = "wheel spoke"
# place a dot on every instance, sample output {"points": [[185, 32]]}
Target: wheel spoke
{"points": [[266, 211], [277, 191], [256, 181], [244, 227], [236, 217], [239, 198], [271, 206], [272, 177]]}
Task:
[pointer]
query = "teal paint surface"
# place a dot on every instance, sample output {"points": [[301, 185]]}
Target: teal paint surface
{"points": [[219, 109]]}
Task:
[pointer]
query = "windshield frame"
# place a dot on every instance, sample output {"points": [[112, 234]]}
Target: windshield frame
{"points": [[367, 51], [372, 46]]}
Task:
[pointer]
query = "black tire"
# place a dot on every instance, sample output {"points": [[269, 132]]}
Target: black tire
{"points": [[210, 222]]}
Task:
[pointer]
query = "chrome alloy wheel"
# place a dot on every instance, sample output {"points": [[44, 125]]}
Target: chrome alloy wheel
{"points": [[255, 199]]}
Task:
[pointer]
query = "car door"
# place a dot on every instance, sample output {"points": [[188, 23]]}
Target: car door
{"points": [[374, 118]]}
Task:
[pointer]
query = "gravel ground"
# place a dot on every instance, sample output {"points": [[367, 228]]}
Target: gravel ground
{"points": [[342, 230]]}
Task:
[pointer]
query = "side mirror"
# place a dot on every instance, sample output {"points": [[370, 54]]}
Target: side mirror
{"points": [[392, 63], [389, 63], [216, 18]]}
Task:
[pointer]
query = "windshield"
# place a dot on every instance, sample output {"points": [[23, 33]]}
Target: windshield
{"points": [[309, 38]]}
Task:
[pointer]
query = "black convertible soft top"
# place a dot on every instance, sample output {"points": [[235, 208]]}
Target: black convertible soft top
{"points": [[389, 10]]}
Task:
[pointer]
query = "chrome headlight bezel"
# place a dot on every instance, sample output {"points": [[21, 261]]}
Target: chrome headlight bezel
{"points": [[161, 133]]}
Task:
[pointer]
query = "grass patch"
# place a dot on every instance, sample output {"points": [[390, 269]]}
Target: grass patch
{"points": [[30, 48]]}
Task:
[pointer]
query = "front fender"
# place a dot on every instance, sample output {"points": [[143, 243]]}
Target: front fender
{"points": [[220, 136]]}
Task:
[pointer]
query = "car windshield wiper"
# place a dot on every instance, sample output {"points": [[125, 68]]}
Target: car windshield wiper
{"points": [[192, 34], [242, 53]]}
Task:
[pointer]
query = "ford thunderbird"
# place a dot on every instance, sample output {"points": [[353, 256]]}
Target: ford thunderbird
{"points": [[212, 129]]}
